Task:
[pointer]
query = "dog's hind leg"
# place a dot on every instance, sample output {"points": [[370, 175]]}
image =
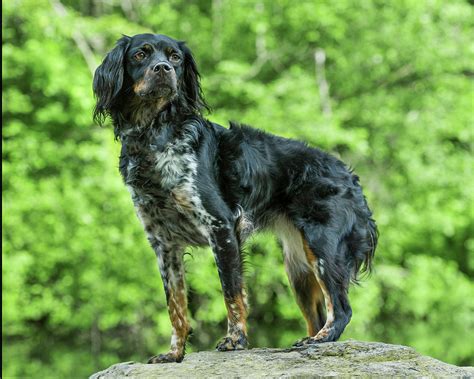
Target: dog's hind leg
{"points": [[299, 268], [170, 262], [310, 299], [332, 272]]}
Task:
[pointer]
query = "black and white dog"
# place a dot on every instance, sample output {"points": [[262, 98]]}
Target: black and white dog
{"points": [[194, 182]]}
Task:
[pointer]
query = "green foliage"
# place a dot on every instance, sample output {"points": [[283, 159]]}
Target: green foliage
{"points": [[80, 285]]}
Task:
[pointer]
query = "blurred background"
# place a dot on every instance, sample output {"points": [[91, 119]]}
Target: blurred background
{"points": [[385, 86]]}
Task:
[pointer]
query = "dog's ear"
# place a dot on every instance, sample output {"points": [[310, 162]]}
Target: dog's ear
{"points": [[108, 79], [191, 81]]}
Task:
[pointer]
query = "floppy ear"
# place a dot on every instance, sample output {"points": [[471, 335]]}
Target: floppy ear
{"points": [[108, 79], [191, 81]]}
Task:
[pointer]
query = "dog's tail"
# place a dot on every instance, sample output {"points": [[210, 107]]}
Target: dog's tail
{"points": [[361, 244], [373, 236]]}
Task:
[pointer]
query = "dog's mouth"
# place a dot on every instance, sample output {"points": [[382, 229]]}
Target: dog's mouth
{"points": [[156, 88], [161, 92]]}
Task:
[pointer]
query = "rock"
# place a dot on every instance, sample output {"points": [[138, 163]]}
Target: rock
{"points": [[346, 358]]}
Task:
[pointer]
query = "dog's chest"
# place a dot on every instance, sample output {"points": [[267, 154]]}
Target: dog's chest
{"points": [[159, 169]]}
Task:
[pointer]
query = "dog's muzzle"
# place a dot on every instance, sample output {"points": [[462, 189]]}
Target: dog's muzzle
{"points": [[159, 82]]}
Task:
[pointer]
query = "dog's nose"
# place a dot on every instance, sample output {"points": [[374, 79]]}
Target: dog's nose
{"points": [[162, 67]]}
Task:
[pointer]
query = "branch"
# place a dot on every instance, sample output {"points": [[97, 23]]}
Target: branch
{"points": [[320, 59], [78, 38], [263, 56], [217, 29]]}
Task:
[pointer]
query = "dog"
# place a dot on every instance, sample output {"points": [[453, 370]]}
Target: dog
{"points": [[194, 183]]}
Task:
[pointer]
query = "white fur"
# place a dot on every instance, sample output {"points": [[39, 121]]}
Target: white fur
{"points": [[293, 250]]}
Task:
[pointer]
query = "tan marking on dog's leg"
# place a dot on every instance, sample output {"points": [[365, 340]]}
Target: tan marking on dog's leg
{"points": [[236, 314], [236, 338], [173, 276], [316, 296], [327, 297], [299, 263], [177, 309], [316, 290], [312, 260]]}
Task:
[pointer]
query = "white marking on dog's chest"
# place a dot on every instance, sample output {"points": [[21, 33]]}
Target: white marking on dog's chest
{"points": [[173, 172], [175, 167]]}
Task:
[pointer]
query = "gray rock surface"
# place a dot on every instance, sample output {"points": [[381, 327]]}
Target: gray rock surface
{"points": [[348, 358]]}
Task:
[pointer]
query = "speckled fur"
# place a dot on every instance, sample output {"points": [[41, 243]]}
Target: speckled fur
{"points": [[194, 183], [161, 179]]}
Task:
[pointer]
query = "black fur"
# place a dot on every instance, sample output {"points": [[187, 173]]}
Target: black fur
{"points": [[194, 182]]}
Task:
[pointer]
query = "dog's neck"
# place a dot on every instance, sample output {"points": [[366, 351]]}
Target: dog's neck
{"points": [[142, 121], [138, 115], [141, 113]]}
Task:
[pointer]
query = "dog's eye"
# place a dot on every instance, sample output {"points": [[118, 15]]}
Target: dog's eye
{"points": [[139, 56], [175, 57]]}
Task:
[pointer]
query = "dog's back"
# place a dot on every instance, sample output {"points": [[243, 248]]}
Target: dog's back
{"points": [[315, 205]]}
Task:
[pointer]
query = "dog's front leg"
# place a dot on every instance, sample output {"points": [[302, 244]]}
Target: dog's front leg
{"points": [[170, 262], [227, 253]]}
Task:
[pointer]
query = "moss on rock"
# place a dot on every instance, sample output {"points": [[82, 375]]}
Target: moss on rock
{"points": [[348, 358]]}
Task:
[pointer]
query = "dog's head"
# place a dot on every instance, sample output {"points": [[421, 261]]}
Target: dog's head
{"points": [[147, 71]]}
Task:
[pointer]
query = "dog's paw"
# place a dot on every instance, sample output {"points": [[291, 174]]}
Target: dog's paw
{"points": [[324, 335], [309, 341], [232, 343], [166, 358], [301, 342]]}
